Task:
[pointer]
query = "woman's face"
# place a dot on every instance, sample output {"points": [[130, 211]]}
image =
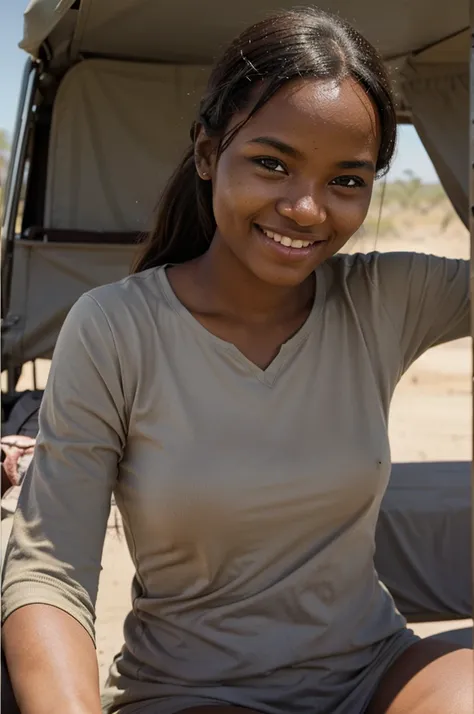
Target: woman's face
{"points": [[301, 170]]}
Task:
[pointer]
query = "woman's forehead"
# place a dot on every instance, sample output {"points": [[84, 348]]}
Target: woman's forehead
{"points": [[307, 108]]}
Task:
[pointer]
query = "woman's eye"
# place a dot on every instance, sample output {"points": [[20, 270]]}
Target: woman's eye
{"points": [[270, 164], [349, 182]]}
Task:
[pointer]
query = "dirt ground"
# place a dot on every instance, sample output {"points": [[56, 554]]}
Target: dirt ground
{"points": [[430, 420]]}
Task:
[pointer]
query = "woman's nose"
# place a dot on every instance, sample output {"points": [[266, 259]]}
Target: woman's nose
{"points": [[305, 210]]}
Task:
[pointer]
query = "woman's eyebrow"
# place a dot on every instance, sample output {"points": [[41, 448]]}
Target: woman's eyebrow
{"points": [[291, 151], [278, 145], [359, 164]]}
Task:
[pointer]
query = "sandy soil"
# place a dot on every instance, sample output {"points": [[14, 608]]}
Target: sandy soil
{"points": [[430, 420]]}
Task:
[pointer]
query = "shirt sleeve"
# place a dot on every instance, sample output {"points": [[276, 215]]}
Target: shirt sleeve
{"points": [[427, 299], [55, 550]]}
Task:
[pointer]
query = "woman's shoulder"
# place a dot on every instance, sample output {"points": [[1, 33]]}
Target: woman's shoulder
{"points": [[356, 262], [391, 267], [344, 266], [129, 293], [351, 271], [126, 309]]}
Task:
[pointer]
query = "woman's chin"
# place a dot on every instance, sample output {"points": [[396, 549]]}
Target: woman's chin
{"points": [[280, 275]]}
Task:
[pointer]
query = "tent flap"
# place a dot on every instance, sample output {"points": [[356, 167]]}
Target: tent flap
{"points": [[118, 132], [41, 18], [438, 95], [48, 278]]}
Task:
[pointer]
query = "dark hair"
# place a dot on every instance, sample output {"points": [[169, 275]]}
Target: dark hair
{"points": [[305, 42]]}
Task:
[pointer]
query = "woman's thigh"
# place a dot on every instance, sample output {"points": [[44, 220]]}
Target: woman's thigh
{"points": [[430, 677]]}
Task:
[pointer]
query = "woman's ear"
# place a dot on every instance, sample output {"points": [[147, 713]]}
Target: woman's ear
{"points": [[205, 151]]}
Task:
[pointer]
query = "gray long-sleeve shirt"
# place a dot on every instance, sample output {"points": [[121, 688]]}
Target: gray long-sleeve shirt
{"points": [[249, 497]]}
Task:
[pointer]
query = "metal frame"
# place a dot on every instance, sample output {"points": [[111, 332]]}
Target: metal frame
{"points": [[16, 168], [11, 201]]}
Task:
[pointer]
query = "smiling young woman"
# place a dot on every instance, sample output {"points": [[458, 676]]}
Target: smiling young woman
{"points": [[234, 393]]}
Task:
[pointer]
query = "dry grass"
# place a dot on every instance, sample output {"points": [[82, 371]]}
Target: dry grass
{"points": [[408, 215]]}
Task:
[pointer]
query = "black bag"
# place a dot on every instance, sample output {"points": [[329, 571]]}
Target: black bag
{"points": [[23, 417]]}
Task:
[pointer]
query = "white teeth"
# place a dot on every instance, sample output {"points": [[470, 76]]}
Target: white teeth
{"points": [[284, 240]]}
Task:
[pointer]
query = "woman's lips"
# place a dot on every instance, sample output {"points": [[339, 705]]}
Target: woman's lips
{"points": [[294, 249]]}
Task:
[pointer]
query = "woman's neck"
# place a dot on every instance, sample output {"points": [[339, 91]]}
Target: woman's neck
{"points": [[235, 291]]}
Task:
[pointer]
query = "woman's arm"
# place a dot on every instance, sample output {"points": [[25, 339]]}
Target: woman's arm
{"points": [[54, 554], [51, 661], [427, 299]]}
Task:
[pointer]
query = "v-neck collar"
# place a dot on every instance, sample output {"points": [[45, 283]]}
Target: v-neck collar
{"points": [[269, 375]]}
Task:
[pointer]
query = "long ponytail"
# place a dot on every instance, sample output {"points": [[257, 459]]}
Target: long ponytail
{"points": [[184, 224]]}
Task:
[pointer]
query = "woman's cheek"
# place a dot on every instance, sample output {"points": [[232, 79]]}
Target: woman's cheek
{"points": [[348, 214], [243, 194]]}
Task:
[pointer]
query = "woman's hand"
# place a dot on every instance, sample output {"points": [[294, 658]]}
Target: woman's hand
{"points": [[17, 452]]}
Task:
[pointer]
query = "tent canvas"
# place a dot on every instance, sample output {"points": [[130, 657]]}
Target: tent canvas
{"points": [[188, 32]]}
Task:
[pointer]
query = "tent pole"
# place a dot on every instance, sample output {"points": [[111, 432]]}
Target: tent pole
{"points": [[14, 182]]}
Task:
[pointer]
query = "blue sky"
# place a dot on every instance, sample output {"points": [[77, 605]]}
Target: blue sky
{"points": [[410, 154]]}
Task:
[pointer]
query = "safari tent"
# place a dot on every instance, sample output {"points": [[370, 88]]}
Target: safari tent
{"points": [[108, 97]]}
